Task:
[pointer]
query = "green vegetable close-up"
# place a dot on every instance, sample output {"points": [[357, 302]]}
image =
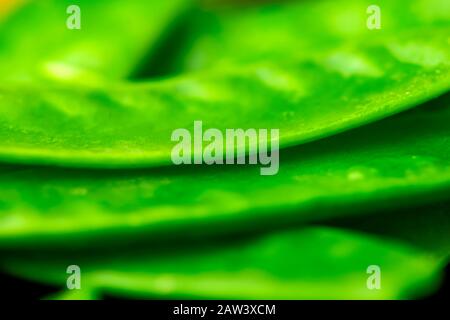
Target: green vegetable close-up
{"points": [[355, 95], [256, 268]]}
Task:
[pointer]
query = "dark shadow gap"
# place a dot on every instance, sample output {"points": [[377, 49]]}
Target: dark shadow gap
{"points": [[162, 61], [14, 288]]}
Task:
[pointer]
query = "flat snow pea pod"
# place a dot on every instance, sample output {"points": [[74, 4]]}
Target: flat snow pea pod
{"points": [[130, 125], [276, 31], [36, 44], [310, 263], [398, 162]]}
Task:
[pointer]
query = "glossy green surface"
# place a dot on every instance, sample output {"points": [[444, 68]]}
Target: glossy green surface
{"points": [[86, 118], [397, 162], [358, 77], [131, 125], [36, 45], [277, 30], [312, 263]]}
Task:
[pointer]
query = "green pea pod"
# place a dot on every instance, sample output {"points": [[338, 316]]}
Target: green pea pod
{"points": [[36, 43], [312, 263], [276, 31], [130, 125], [397, 162]]}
